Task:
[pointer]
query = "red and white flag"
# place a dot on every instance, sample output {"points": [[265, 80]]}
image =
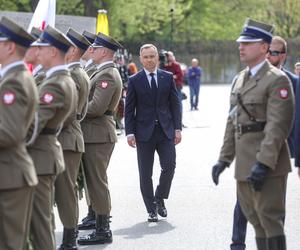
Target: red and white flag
{"points": [[43, 15]]}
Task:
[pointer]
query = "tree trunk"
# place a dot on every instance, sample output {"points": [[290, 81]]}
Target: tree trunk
{"points": [[91, 7]]}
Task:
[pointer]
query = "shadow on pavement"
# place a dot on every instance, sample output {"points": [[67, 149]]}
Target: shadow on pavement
{"points": [[144, 228]]}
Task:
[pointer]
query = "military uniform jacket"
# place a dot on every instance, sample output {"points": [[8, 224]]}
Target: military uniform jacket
{"points": [[106, 87], [91, 68], [39, 74], [268, 96], [57, 101], [71, 137], [19, 99]]}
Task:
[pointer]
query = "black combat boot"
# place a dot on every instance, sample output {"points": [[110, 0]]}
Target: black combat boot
{"points": [[261, 243], [89, 221], [101, 235], [69, 240], [276, 243]]}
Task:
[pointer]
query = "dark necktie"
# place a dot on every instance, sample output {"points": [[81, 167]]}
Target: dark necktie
{"points": [[247, 76], [153, 87]]}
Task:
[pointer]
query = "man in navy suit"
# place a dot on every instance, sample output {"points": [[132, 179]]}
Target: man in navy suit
{"points": [[153, 123]]}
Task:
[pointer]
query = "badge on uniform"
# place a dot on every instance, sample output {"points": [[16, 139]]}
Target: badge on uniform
{"points": [[47, 98], [9, 97], [283, 93], [103, 85]]}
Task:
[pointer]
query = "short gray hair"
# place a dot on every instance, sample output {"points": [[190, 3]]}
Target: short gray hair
{"points": [[147, 46]]}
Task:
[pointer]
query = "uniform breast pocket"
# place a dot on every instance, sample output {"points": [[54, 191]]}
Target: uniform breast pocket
{"points": [[256, 106]]}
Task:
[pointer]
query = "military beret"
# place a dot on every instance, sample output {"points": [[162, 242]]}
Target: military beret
{"points": [[35, 32], [79, 40], [53, 37], [103, 40], [13, 32], [90, 36], [254, 31]]}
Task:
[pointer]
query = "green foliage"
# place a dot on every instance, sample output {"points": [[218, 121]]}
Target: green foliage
{"points": [[8, 5], [191, 20], [70, 7]]}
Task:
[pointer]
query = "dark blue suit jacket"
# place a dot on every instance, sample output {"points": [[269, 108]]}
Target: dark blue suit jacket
{"points": [[291, 139], [297, 126], [141, 111]]}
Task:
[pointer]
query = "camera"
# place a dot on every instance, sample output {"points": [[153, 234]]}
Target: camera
{"points": [[163, 58]]}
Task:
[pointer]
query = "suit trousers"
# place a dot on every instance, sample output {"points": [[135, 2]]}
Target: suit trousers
{"points": [[239, 229], [15, 213], [42, 228], [165, 149], [95, 161], [66, 191], [265, 210]]}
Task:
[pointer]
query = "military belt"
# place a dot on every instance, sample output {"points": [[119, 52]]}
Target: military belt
{"points": [[255, 127], [109, 112], [49, 131]]}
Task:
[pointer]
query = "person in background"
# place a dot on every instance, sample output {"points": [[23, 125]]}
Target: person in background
{"points": [[173, 66], [119, 114], [297, 68], [194, 80], [277, 55], [132, 68]]}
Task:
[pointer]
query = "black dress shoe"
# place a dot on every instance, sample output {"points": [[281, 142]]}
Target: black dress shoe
{"points": [[152, 217], [161, 209]]}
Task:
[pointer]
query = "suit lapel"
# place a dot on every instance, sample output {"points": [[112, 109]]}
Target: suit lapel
{"points": [[252, 82]]}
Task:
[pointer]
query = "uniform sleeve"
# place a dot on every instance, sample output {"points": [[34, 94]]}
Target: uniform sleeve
{"points": [[13, 109], [104, 90], [279, 119], [51, 99], [227, 153], [130, 107]]}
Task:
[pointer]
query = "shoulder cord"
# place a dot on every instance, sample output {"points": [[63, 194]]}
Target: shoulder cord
{"points": [[251, 117]]}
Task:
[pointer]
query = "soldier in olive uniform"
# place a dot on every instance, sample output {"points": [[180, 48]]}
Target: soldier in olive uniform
{"points": [[71, 139], [90, 66], [31, 57], [258, 125], [58, 98], [100, 136], [19, 100]]}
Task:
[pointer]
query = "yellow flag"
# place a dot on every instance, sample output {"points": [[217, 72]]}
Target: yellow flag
{"points": [[102, 22]]}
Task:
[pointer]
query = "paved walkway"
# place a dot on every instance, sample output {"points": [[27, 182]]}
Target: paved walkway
{"points": [[200, 214]]}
